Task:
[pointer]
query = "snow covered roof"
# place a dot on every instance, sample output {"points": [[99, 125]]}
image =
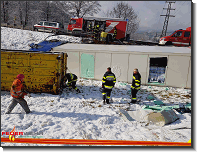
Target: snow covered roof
{"points": [[123, 48]]}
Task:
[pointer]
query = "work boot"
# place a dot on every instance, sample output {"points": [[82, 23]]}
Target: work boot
{"points": [[7, 112], [28, 112], [107, 101], [133, 101], [78, 91], [104, 98]]}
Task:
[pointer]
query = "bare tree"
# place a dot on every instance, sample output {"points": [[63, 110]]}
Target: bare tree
{"points": [[4, 11], [82, 8], [20, 12], [123, 10], [26, 12]]}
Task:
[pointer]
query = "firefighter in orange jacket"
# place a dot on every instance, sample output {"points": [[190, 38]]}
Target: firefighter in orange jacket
{"points": [[17, 92]]}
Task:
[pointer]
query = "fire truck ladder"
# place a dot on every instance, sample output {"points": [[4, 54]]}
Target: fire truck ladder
{"points": [[165, 26]]}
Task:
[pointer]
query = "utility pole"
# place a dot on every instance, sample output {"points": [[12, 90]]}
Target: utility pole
{"points": [[165, 26]]}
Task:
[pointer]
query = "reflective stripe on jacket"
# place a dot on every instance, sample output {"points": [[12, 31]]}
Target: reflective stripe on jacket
{"points": [[115, 32], [71, 77], [109, 80], [136, 83], [17, 89]]}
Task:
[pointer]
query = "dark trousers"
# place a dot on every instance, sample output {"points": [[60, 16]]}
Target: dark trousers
{"points": [[134, 92], [73, 85], [106, 94], [21, 101]]}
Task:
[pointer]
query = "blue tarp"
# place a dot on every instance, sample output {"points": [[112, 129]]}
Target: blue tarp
{"points": [[45, 45]]}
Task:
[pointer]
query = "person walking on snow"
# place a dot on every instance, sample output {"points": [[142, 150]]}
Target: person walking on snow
{"points": [[72, 79], [108, 82], [18, 92], [136, 83]]}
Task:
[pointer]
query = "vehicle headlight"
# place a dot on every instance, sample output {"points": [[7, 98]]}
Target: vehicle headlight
{"points": [[162, 39]]}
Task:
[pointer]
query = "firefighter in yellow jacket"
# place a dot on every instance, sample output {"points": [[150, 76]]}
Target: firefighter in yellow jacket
{"points": [[136, 83], [96, 32], [18, 92], [115, 33], [108, 82]]}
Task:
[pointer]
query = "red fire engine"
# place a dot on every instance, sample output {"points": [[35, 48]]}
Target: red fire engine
{"points": [[178, 38], [81, 25]]}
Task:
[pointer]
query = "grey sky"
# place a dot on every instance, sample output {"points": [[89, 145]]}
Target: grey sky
{"points": [[149, 14]]}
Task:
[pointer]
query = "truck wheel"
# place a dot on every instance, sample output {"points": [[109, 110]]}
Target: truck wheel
{"points": [[168, 43], [54, 31]]}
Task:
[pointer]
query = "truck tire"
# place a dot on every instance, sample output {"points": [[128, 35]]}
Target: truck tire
{"points": [[54, 31], [128, 37], [108, 38], [168, 43]]}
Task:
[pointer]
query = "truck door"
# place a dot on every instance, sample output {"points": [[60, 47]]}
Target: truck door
{"points": [[186, 38], [46, 27], [178, 38], [71, 25]]}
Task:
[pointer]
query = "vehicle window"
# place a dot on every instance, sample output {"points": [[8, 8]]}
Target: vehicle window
{"points": [[61, 25], [53, 24], [46, 23], [178, 34], [172, 33], [73, 22], [187, 34], [157, 70], [41, 23]]}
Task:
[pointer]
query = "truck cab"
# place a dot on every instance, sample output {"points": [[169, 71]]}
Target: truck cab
{"points": [[75, 25], [178, 38]]}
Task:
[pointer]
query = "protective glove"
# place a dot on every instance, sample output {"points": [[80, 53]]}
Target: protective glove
{"points": [[78, 91]]}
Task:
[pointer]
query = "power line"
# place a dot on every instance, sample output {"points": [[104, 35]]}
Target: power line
{"points": [[165, 26], [179, 8], [160, 17]]}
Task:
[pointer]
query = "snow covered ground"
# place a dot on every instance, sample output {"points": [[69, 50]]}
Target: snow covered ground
{"points": [[83, 116]]}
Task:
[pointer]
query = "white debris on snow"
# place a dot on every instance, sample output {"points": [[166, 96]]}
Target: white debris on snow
{"points": [[83, 115]]}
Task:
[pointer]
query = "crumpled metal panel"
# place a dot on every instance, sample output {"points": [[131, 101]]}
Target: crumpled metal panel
{"points": [[43, 71]]}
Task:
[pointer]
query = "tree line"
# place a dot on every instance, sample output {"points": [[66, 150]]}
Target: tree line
{"points": [[27, 13]]}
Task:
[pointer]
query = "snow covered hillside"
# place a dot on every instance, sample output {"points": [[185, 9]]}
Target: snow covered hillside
{"points": [[20, 39], [83, 115]]}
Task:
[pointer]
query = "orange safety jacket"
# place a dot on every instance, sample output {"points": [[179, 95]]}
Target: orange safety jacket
{"points": [[17, 89]]}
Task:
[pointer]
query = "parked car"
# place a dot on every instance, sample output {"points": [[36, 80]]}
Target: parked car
{"points": [[45, 26], [46, 45]]}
